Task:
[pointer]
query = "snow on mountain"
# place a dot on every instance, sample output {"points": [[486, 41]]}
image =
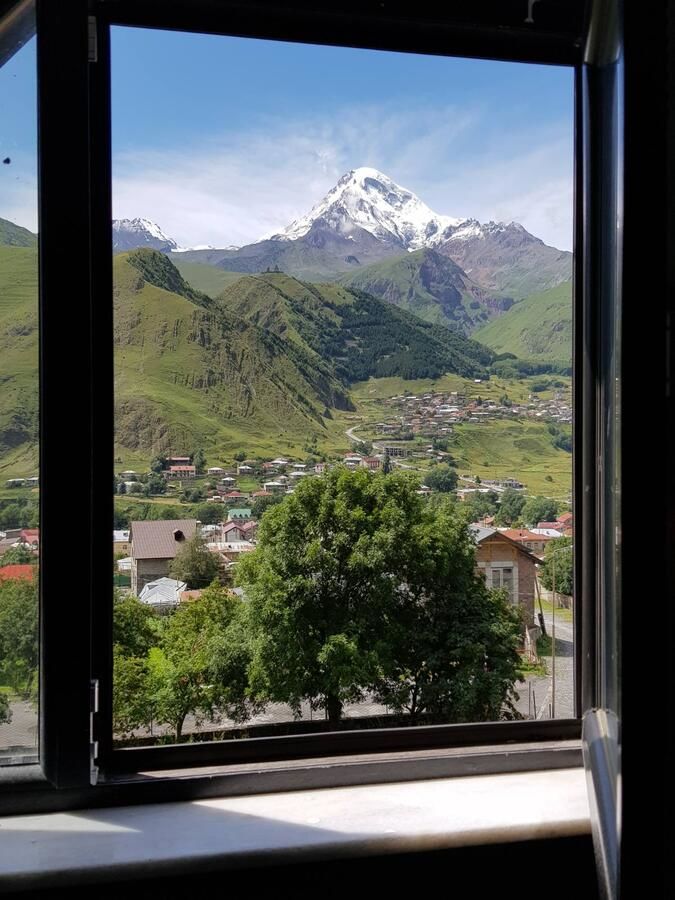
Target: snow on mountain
{"points": [[365, 198], [128, 234]]}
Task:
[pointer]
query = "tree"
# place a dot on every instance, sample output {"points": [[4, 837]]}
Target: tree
{"points": [[17, 556], [132, 693], [154, 484], [442, 478], [209, 513], [136, 488], [199, 461], [478, 505], [133, 631], [191, 673], [240, 456], [510, 507], [559, 555], [261, 504], [158, 464], [539, 509], [386, 463], [19, 651], [195, 564], [5, 710], [357, 585]]}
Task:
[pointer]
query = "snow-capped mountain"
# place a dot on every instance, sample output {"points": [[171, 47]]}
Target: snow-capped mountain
{"points": [[365, 198], [128, 234]]}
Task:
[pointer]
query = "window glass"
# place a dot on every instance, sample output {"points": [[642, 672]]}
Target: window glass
{"points": [[19, 481], [343, 361]]}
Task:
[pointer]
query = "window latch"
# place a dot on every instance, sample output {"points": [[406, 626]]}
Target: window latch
{"points": [[93, 744]]}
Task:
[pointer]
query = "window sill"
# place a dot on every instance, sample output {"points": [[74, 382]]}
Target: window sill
{"points": [[89, 846]]}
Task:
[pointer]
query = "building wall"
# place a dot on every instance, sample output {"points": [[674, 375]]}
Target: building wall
{"points": [[145, 570], [500, 554]]}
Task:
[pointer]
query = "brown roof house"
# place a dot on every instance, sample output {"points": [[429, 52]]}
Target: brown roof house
{"points": [[153, 546], [505, 563]]}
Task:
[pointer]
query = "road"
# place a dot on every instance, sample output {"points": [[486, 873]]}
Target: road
{"points": [[564, 669], [352, 437]]}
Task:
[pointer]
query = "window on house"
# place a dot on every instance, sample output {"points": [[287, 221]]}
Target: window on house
{"points": [[503, 578]]}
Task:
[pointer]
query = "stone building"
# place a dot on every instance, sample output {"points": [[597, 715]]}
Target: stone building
{"points": [[153, 546]]}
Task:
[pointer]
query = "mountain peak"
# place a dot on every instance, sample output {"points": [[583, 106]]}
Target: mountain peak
{"points": [[365, 198], [128, 234]]}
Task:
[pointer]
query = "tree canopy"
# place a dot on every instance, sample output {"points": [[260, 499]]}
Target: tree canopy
{"points": [[357, 586], [539, 509], [442, 478], [510, 507], [558, 556], [195, 564]]}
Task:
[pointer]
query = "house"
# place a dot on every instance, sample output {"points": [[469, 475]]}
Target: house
{"points": [[547, 532], [215, 470], [244, 469], [531, 541], [163, 593], [189, 596], [15, 482], [179, 461], [181, 472], [232, 550], [23, 572], [280, 461], [371, 462], [121, 542], [505, 563], [154, 545], [273, 487], [320, 468], [249, 529], [228, 480], [262, 494], [238, 514], [30, 536], [233, 531], [129, 475]]}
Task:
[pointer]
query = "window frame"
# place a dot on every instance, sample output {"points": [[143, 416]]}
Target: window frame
{"points": [[76, 651]]}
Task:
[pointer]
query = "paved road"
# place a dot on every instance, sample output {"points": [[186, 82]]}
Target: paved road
{"points": [[21, 734], [564, 669], [352, 437]]}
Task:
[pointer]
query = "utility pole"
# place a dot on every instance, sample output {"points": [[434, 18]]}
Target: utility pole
{"points": [[553, 644]]}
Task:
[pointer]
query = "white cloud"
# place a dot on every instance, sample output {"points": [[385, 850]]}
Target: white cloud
{"points": [[233, 189], [237, 188]]}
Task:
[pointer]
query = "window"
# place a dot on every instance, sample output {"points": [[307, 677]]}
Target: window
{"points": [[503, 578], [71, 665]]}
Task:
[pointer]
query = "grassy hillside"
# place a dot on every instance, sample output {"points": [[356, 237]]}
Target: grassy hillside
{"points": [[18, 361], [540, 327], [360, 335], [432, 287], [190, 375], [207, 279], [12, 235]]}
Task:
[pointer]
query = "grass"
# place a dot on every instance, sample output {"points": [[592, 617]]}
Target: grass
{"points": [[562, 614], [208, 279], [526, 668], [540, 326]]}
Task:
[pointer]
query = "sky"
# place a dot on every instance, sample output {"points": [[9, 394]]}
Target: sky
{"points": [[224, 140]]}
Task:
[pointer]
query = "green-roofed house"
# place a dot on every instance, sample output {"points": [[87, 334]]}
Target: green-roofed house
{"points": [[238, 515]]}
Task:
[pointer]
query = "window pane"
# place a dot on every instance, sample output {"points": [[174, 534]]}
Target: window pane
{"points": [[343, 360], [19, 487]]}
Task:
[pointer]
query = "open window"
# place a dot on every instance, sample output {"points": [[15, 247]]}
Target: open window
{"points": [[117, 360]]}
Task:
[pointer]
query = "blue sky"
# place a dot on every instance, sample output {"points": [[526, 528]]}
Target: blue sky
{"points": [[221, 140]]}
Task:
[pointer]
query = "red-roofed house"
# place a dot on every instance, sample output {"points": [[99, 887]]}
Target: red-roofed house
{"points": [[536, 543], [16, 573], [371, 462]]}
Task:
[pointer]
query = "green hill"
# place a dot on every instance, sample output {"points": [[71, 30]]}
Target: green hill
{"points": [[539, 327], [360, 335], [18, 360], [432, 287], [12, 235], [208, 279]]}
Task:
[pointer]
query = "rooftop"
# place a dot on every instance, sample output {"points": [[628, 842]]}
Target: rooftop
{"points": [[161, 539]]}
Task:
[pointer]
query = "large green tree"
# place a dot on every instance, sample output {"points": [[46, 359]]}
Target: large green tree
{"points": [[18, 556], [357, 585], [133, 621], [5, 710], [195, 564]]}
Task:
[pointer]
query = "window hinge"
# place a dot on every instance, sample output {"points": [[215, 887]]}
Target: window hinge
{"points": [[93, 744], [93, 43]]}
